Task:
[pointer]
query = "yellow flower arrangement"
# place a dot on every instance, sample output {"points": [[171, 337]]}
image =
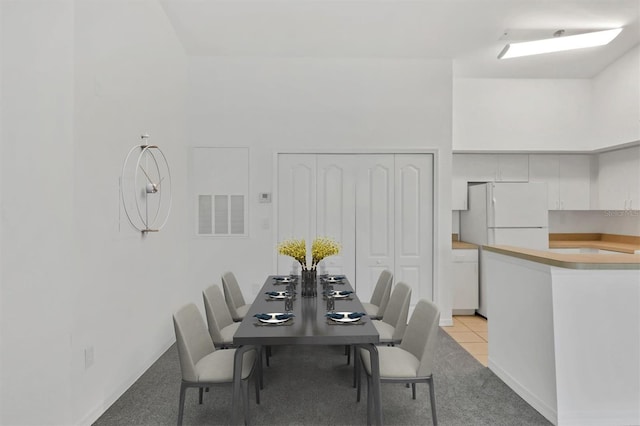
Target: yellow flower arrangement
{"points": [[294, 248], [323, 247], [320, 248]]}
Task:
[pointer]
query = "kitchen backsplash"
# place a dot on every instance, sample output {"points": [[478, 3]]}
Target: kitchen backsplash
{"points": [[596, 221], [621, 222]]}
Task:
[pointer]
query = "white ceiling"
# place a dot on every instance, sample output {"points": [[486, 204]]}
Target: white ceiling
{"points": [[467, 31]]}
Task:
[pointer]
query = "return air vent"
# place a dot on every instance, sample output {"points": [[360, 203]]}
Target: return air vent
{"points": [[221, 215]]}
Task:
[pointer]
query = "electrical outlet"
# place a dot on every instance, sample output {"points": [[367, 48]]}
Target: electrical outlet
{"points": [[88, 357]]}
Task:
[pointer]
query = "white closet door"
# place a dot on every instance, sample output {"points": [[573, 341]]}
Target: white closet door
{"points": [[378, 206], [336, 209], [375, 221], [296, 202], [414, 224]]}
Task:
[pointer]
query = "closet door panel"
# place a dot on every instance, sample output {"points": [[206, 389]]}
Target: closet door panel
{"points": [[296, 202], [336, 210], [414, 224], [374, 220]]}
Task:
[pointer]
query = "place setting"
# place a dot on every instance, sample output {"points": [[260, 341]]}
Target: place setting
{"points": [[345, 318], [274, 318], [334, 279], [284, 279], [273, 296]]}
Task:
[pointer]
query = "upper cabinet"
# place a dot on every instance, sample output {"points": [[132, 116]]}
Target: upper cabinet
{"points": [[492, 167], [619, 179], [568, 179], [485, 168], [606, 181]]}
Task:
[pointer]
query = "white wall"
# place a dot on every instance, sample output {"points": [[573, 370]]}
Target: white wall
{"points": [[616, 101], [37, 211], [522, 114], [455, 222], [291, 104], [549, 114], [81, 81]]}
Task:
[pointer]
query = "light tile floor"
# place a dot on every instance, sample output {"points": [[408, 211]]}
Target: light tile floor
{"points": [[471, 332]]}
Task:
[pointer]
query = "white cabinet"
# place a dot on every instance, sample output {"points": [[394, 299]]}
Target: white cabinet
{"points": [[492, 167], [485, 168], [568, 179], [465, 281], [619, 179]]}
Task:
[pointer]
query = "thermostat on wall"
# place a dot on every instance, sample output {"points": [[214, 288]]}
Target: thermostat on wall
{"points": [[265, 197]]}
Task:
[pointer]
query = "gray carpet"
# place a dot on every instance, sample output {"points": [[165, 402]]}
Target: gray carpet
{"points": [[311, 385]]}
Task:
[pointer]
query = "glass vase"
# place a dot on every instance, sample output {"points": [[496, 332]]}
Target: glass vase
{"points": [[309, 283]]}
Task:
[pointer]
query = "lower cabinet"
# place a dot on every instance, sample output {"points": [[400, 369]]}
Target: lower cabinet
{"points": [[465, 281]]}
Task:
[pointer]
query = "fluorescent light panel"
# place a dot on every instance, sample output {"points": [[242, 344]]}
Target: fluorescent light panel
{"points": [[558, 44]]}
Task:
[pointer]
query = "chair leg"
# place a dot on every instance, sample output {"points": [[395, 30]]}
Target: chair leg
{"points": [[356, 366], [433, 402], [183, 388], [200, 392], [369, 400], [257, 383], [347, 352], [268, 354], [357, 371], [245, 400], [413, 390], [260, 377]]}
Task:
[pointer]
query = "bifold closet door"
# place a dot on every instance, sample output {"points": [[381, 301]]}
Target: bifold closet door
{"points": [[378, 206]]}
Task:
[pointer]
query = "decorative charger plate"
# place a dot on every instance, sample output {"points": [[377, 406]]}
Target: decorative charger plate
{"points": [[274, 319], [277, 294], [345, 317]]}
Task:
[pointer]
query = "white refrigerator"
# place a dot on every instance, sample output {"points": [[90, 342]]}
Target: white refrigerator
{"points": [[506, 213]]}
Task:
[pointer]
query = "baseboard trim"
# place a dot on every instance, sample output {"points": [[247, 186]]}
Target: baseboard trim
{"points": [[542, 407], [446, 322], [95, 413]]}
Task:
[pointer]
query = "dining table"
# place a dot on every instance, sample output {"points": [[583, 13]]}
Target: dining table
{"points": [[309, 325]]}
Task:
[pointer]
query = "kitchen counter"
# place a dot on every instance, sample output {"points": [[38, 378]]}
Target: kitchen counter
{"points": [[461, 245], [571, 261], [622, 243], [456, 244], [565, 332]]}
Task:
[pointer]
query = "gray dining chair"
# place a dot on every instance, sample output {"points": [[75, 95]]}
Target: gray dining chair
{"points": [[411, 361], [233, 296], [221, 326], [203, 366], [219, 321], [380, 298], [394, 321]]}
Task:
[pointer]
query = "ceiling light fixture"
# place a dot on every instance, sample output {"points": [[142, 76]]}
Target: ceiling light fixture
{"points": [[559, 43]]}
